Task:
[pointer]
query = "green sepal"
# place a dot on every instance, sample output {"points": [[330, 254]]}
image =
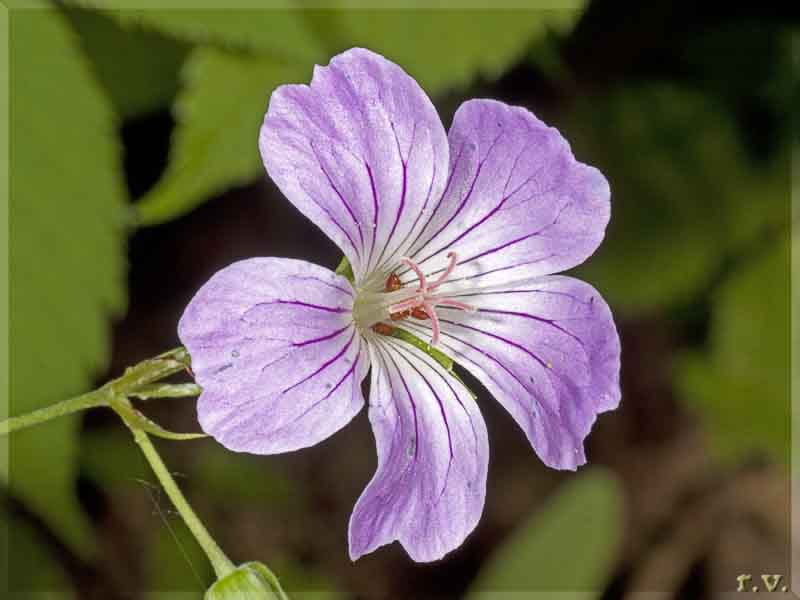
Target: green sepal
{"points": [[250, 581], [346, 270], [137, 420], [165, 390]]}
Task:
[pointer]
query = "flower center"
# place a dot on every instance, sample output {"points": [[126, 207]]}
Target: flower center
{"points": [[397, 303]]}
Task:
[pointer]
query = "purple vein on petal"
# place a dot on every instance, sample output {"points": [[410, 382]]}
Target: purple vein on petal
{"points": [[439, 201], [376, 213], [500, 338], [468, 294], [499, 269], [344, 377], [517, 240], [339, 194], [401, 207], [491, 213], [323, 338], [466, 197], [335, 222], [306, 305], [495, 360], [551, 322], [324, 366], [450, 387], [443, 413], [347, 291], [387, 356]]}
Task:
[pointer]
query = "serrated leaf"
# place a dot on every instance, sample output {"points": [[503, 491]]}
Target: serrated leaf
{"points": [[277, 29], [215, 144], [445, 48], [684, 194], [138, 68], [568, 547], [67, 206], [741, 387], [225, 96]]}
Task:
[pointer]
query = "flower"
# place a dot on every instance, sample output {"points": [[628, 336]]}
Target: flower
{"points": [[453, 238]]}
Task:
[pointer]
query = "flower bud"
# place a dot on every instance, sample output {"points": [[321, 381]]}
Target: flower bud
{"points": [[250, 581]]}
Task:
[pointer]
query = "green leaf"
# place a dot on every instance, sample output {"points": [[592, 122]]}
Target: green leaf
{"points": [[138, 68], [741, 387], [443, 49], [568, 547], [67, 206], [225, 96], [215, 143], [277, 30], [684, 194]]}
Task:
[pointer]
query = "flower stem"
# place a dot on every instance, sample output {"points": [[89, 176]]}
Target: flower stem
{"points": [[140, 381], [136, 380], [94, 398], [221, 563]]}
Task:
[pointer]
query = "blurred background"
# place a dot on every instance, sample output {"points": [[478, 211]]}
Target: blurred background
{"points": [[135, 175]]}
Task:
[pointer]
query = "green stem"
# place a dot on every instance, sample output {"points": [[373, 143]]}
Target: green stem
{"points": [[221, 563], [135, 378], [139, 380], [95, 398]]}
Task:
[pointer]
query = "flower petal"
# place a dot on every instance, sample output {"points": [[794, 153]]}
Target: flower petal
{"points": [[361, 152], [275, 350], [433, 453], [548, 350], [524, 206]]}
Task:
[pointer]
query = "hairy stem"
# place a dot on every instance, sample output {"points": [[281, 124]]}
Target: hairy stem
{"points": [[221, 563], [136, 378], [65, 407]]}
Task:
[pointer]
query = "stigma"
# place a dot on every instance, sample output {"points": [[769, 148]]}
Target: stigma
{"points": [[422, 302]]}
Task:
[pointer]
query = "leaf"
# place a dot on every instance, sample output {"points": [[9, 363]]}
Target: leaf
{"points": [[444, 49], [223, 102], [138, 68], [684, 194], [215, 144], [278, 30], [568, 547], [741, 386], [67, 206]]}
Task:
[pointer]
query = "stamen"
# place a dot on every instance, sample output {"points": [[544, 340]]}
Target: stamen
{"points": [[423, 283], [443, 277], [423, 302], [409, 304], [456, 304], [434, 323]]}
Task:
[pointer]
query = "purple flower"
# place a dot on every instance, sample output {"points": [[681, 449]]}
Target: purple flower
{"points": [[453, 238]]}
